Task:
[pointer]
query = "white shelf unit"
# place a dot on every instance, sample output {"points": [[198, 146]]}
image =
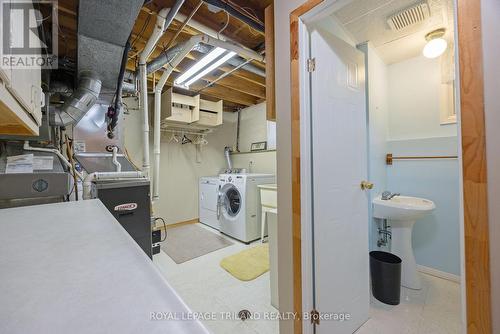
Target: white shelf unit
{"points": [[210, 113], [21, 96], [178, 108]]}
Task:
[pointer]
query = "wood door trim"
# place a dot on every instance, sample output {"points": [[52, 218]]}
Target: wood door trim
{"points": [[476, 227], [476, 231], [295, 119]]}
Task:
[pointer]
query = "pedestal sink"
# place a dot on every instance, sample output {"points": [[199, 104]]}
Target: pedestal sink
{"points": [[402, 212]]}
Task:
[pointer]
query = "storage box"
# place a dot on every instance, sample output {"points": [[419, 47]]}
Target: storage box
{"points": [[210, 113], [179, 108]]}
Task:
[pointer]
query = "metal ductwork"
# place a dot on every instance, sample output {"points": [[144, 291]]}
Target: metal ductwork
{"points": [[166, 56], [103, 30], [227, 155], [77, 105], [204, 46]]}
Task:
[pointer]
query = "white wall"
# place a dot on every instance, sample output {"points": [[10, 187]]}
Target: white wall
{"points": [[179, 170], [254, 128], [490, 10], [414, 102]]}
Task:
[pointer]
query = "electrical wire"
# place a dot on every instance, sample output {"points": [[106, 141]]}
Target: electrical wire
{"points": [[186, 21], [243, 10], [139, 35], [225, 26], [164, 227]]}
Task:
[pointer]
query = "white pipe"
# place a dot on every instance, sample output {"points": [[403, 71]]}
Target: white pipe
{"points": [[155, 35], [117, 164], [213, 33], [156, 147], [27, 147], [211, 37], [151, 43], [157, 113], [200, 27], [87, 182], [239, 49], [145, 119]]}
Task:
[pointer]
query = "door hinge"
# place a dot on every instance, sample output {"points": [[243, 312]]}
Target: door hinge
{"points": [[314, 317], [311, 65]]}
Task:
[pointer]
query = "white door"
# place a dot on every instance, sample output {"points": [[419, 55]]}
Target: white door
{"points": [[339, 164]]}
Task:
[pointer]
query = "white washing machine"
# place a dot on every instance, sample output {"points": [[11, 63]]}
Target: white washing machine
{"points": [[239, 205], [208, 193]]}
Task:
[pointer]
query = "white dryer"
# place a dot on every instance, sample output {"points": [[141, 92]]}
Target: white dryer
{"points": [[208, 192], [238, 206]]}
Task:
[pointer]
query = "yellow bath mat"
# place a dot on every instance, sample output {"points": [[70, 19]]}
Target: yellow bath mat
{"points": [[248, 264]]}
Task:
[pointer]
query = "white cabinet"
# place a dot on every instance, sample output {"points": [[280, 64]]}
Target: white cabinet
{"points": [[21, 96], [184, 109], [179, 108], [210, 113]]}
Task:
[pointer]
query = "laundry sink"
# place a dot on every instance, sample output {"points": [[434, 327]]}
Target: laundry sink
{"points": [[402, 212], [402, 208]]}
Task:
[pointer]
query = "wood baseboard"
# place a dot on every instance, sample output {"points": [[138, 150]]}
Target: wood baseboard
{"points": [[160, 226]]}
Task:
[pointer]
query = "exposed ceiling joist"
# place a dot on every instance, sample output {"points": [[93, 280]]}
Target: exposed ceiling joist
{"points": [[239, 88]]}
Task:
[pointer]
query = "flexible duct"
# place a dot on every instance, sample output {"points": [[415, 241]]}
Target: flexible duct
{"points": [[171, 58], [202, 45], [80, 102], [227, 151], [235, 61]]}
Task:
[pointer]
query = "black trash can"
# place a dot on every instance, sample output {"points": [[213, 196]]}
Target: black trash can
{"points": [[385, 271]]}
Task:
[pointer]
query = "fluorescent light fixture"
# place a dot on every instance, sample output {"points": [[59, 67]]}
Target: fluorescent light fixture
{"points": [[211, 68], [211, 56], [436, 44]]}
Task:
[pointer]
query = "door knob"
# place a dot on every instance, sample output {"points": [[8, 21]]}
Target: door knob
{"points": [[366, 185]]}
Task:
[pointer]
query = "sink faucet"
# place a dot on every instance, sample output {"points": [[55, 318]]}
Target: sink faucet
{"points": [[387, 195]]}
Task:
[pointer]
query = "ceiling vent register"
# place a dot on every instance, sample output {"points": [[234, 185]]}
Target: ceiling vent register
{"points": [[414, 14]]}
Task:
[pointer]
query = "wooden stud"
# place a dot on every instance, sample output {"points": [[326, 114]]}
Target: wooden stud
{"points": [[475, 196], [270, 75]]}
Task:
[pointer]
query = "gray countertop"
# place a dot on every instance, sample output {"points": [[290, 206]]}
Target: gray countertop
{"points": [[71, 268]]}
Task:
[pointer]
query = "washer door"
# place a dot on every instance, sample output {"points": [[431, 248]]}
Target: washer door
{"points": [[230, 200]]}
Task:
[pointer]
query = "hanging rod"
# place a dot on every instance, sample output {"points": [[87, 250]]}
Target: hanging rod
{"points": [[389, 158], [186, 131]]}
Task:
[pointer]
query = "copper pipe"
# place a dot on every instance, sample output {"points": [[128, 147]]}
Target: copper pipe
{"points": [[389, 158]]}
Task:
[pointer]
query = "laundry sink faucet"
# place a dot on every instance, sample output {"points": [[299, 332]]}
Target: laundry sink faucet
{"points": [[387, 195]]}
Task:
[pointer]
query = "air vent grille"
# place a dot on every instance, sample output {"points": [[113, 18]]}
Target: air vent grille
{"points": [[409, 16]]}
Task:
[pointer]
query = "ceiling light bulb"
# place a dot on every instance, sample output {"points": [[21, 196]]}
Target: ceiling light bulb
{"points": [[436, 44], [210, 68], [203, 62], [434, 48]]}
